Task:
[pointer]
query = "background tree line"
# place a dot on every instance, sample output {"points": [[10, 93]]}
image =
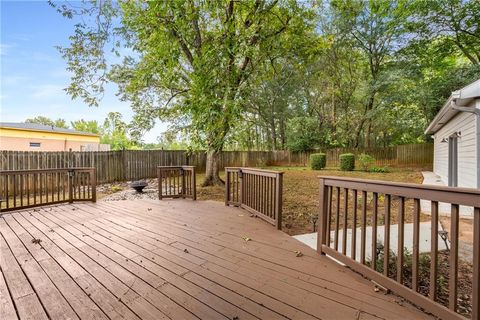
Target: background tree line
{"points": [[273, 74]]}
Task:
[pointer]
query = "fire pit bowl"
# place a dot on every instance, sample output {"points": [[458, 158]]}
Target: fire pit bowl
{"points": [[138, 185]]}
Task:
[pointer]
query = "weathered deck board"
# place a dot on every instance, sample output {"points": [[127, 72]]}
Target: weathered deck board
{"points": [[172, 260]]}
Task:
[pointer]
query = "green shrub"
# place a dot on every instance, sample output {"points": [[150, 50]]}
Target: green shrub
{"points": [[365, 161], [318, 161], [347, 161], [379, 169]]}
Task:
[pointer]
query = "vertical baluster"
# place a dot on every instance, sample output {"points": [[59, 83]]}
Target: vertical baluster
{"points": [[433, 253], [364, 227], [329, 190], [7, 195], [28, 189], [453, 273], [89, 184], [416, 243], [35, 188], [84, 183], [237, 187], [374, 230], [57, 174], [386, 244], [40, 187], [14, 190], [21, 189], [64, 186], [345, 221], [401, 237], [265, 197], [337, 218], [354, 226]]}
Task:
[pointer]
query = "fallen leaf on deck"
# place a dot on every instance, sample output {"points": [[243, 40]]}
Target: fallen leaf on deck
{"points": [[246, 239], [149, 209], [185, 250], [37, 241], [298, 253]]}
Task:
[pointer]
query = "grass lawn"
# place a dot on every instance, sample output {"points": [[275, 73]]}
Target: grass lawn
{"points": [[301, 187]]}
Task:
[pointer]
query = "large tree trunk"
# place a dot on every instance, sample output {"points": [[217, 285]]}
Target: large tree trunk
{"points": [[212, 176]]}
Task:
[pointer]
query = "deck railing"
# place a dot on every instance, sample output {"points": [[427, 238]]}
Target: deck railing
{"points": [[258, 191], [21, 189], [350, 204], [176, 182]]}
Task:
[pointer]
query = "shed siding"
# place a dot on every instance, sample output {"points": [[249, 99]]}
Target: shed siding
{"points": [[466, 123]]}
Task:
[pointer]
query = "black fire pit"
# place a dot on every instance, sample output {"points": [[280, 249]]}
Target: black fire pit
{"points": [[138, 185]]}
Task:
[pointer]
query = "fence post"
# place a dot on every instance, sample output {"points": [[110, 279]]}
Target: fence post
{"points": [[322, 216], [278, 200]]}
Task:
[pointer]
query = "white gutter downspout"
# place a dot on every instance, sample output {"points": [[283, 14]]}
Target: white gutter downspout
{"points": [[476, 112]]}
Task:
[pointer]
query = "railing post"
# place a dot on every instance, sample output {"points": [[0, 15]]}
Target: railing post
{"points": [[182, 173], [93, 177], [322, 217], [278, 200], [194, 183], [240, 187], [71, 173], [227, 186], [159, 175]]}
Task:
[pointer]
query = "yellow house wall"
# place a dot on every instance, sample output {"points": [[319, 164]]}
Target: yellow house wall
{"points": [[15, 139]]}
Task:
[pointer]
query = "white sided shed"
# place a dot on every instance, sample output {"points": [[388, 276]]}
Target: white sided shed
{"points": [[456, 134]]}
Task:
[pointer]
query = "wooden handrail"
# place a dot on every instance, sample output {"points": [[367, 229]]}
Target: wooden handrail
{"points": [[338, 216], [20, 189], [176, 182], [256, 190]]}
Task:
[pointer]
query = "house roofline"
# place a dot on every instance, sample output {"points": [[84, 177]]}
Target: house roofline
{"points": [[73, 133], [459, 98]]}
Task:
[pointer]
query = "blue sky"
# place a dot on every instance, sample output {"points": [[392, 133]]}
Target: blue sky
{"points": [[33, 73]]}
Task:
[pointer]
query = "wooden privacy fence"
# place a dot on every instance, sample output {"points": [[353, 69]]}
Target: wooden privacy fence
{"points": [[347, 204], [113, 166], [258, 191], [176, 182], [21, 189]]}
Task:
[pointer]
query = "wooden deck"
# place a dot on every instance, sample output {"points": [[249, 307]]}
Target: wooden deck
{"points": [[175, 259]]}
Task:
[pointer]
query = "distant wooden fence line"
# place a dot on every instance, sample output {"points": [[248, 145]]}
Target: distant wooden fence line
{"points": [[140, 164]]}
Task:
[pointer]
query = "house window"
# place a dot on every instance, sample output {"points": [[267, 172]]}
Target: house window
{"points": [[35, 144]]}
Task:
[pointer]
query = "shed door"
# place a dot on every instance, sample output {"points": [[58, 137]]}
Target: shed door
{"points": [[453, 161]]}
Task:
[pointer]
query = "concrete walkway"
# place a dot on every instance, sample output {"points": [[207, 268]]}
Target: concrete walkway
{"points": [[310, 239]]}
